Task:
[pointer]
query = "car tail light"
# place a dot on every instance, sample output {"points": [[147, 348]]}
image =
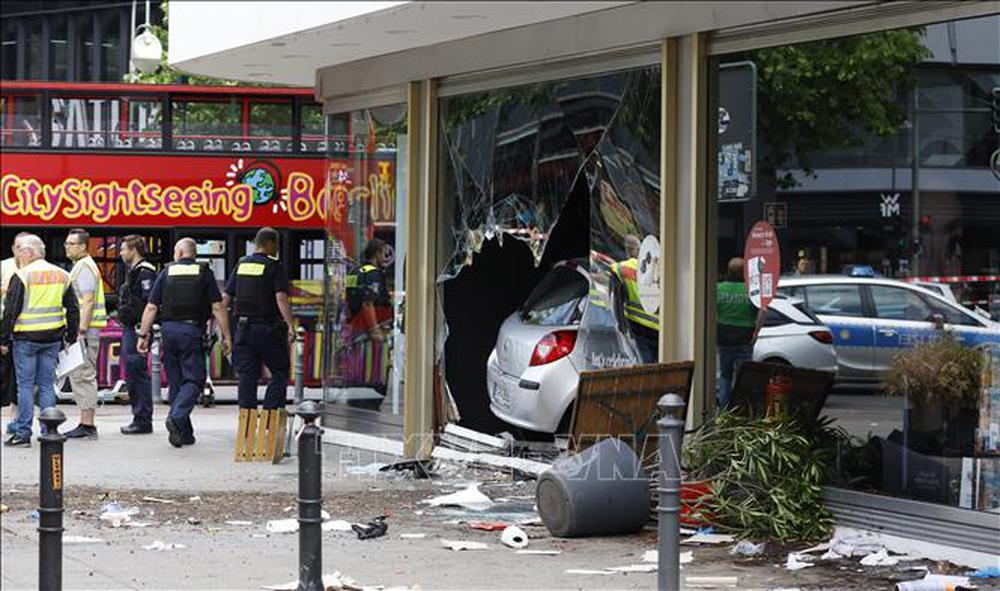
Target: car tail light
{"points": [[823, 336], [553, 347]]}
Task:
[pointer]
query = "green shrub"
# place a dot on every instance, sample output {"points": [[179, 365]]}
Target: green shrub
{"points": [[939, 370], [765, 475]]}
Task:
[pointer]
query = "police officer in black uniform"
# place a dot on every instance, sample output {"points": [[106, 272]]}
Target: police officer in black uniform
{"points": [[133, 294], [258, 289], [185, 295]]}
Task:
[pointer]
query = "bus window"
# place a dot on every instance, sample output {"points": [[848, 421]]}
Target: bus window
{"points": [[106, 122], [213, 252], [141, 125], [310, 259], [21, 121], [313, 129], [271, 126], [204, 126]]}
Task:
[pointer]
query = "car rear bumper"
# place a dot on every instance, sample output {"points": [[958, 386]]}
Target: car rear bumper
{"points": [[535, 400]]}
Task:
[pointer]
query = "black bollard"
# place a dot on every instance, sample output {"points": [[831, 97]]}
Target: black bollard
{"points": [[671, 431], [310, 499], [50, 509]]}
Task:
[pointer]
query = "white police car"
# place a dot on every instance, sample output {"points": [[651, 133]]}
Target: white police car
{"points": [[874, 319]]}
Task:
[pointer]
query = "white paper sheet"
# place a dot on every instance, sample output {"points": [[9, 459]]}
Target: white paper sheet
{"points": [[70, 358]]}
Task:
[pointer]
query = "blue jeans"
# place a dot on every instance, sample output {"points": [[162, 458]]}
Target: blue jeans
{"points": [[257, 344], [140, 392], [184, 363], [35, 364], [730, 360]]}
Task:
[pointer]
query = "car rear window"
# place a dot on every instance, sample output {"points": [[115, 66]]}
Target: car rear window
{"points": [[557, 300], [834, 300]]}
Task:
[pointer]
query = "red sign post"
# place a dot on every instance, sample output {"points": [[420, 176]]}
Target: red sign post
{"points": [[763, 264]]}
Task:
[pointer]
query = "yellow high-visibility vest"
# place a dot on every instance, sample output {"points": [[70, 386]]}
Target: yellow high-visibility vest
{"points": [[99, 319], [44, 287], [628, 272]]}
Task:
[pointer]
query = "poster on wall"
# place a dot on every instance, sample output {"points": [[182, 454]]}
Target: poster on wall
{"points": [[737, 131], [763, 264]]}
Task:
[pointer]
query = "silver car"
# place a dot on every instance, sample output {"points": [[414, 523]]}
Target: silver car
{"points": [[793, 335], [562, 329], [874, 319]]}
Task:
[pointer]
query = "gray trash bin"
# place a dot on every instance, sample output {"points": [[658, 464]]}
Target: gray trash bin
{"points": [[602, 490]]}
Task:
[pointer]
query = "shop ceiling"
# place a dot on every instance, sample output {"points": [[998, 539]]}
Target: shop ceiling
{"points": [[281, 42]]}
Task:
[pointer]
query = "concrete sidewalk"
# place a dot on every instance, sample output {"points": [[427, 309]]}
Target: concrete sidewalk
{"points": [[213, 497]]}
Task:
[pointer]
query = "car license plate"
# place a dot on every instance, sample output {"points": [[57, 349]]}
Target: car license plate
{"points": [[500, 395]]}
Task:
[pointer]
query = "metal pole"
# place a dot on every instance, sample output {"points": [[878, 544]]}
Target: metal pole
{"points": [[671, 431], [157, 364], [915, 182], [310, 499], [299, 386], [300, 370], [50, 509]]}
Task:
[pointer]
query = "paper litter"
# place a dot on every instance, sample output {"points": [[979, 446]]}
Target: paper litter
{"points": [[458, 545], [159, 546], [795, 562], [747, 548], [635, 568], [654, 556], [704, 538], [81, 540], [514, 537], [336, 525], [468, 498]]}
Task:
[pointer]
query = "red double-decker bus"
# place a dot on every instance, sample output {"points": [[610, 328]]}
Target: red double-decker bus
{"points": [[212, 163]]}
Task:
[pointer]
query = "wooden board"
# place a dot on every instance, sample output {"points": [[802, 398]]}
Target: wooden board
{"points": [[622, 403]]}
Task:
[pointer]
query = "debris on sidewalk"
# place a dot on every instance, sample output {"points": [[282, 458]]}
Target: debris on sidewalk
{"points": [[412, 536], [489, 525], [366, 470], [514, 537], [932, 582], [4, 508], [882, 558], [587, 571], [990, 572], [160, 546], [158, 500], [710, 582], [709, 538], [467, 440], [81, 540], [635, 568], [282, 526], [336, 581], [747, 548], [420, 468], [238, 522], [468, 498], [375, 528], [796, 561], [459, 545], [654, 556], [540, 552], [194, 521], [851, 546], [117, 515], [337, 525], [194, 499]]}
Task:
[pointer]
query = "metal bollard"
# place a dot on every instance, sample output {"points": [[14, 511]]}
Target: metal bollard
{"points": [[310, 499], [300, 376], [671, 431], [156, 365], [50, 510]]}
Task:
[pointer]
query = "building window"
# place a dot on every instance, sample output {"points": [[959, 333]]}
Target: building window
{"points": [[58, 47]]}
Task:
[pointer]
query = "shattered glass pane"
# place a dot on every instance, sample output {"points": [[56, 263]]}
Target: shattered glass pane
{"points": [[515, 155]]}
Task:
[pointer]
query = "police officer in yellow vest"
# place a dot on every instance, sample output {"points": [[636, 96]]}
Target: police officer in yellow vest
{"points": [[186, 296], [40, 311], [258, 291], [89, 288], [643, 326]]}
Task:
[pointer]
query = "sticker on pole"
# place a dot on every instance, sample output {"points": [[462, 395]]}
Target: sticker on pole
{"points": [[763, 264]]}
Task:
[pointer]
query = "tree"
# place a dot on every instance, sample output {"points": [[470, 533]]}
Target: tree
{"points": [[830, 94]]}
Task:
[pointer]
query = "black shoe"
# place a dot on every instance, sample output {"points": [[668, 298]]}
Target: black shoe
{"points": [[175, 438], [133, 429], [82, 432], [17, 441], [189, 440]]}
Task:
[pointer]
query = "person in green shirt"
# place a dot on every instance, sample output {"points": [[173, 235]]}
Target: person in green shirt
{"points": [[736, 327]]}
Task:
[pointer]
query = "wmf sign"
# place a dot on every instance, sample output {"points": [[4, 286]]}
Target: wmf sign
{"points": [[890, 205]]}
